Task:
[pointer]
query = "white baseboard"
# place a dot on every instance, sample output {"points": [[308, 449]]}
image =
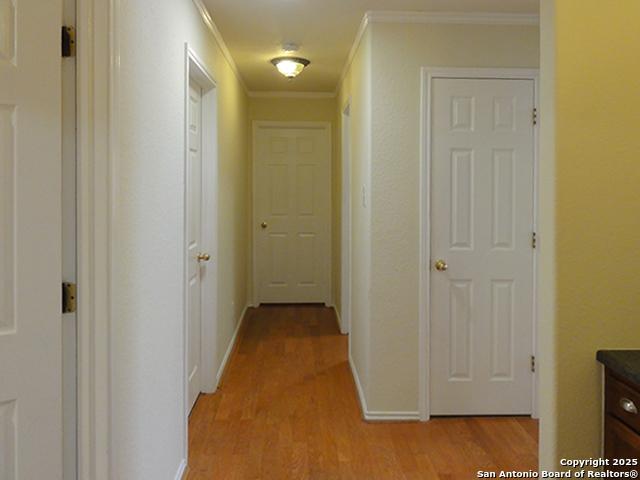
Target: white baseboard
{"points": [[378, 416], [340, 324], [232, 344], [182, 469], [356, 379], [392, 416]]}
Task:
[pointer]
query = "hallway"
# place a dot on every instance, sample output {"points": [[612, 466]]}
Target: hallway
{"points": [[287, 408]]}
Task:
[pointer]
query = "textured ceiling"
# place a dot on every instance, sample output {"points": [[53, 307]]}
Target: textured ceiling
{"points": [[254, 31]]}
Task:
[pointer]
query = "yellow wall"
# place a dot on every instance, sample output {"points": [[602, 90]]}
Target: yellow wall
{"points": [[395, 181], [284, 109], [356, 89], [233, 175], [383, 83], [597, 116]]}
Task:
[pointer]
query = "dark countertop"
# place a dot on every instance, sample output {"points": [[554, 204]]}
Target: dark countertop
{"points": [[625, 363]]}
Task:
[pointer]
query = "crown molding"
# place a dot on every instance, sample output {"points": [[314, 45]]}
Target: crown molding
{"points": [[433, 18], [208, 21], [364, 23], [308, 95], [368, 18], [476, 18]]}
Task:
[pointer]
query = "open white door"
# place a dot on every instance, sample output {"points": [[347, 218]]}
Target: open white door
{"points": [[30, 241], [481, 246], [201, 231], [195, 257]]}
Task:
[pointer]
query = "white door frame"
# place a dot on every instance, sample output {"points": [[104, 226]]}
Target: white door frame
{"points": [[256, 125], [428, 75], [97, 64], [345, 284], [69, 254], [196, 71]]}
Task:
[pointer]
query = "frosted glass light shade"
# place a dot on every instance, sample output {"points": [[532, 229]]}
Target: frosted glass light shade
{"points": [[290, 67]]}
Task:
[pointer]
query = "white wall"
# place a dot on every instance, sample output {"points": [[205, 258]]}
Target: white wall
{"points": [[386, 158], [547, 231], [147, 379], [395, 181]]}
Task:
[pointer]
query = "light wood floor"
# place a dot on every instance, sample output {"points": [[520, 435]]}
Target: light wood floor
{"points": [[287, 408]]}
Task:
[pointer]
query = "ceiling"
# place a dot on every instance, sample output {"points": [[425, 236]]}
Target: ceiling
{"points": [[255, 30]]}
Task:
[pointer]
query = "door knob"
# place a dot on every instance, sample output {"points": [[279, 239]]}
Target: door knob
{"points": [[441, 266], [204, 257], [264, 225]]}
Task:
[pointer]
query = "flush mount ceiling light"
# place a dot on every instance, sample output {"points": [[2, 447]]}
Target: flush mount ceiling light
{"points": [[290, 67]]}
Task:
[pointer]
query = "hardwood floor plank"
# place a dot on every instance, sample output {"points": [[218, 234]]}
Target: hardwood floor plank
{"points": [[287, 409]]}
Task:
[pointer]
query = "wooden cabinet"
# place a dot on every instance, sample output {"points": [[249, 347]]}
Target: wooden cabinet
{"points": [[622, 421], [620, 441]]}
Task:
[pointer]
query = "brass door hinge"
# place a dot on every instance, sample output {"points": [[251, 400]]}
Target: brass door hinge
{"points": [[535, 116], [69, 297], [68, 47], [533, 363], [534, 240]]}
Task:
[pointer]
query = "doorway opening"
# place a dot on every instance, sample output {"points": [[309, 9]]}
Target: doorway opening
{"points": [[200, 231], [478, 242]]}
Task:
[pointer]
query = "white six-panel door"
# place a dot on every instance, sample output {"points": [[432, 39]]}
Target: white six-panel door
{"points": [[195, 259], [292, 214], [30, 240], [482, 212]]}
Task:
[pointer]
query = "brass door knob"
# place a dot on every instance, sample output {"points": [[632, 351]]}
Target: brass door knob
{"points": [[441, 266], [264, 225], [204, 257]]}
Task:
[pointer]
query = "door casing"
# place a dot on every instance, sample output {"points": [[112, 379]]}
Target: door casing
{"points": [[284, 125], [428, 75], [98, 51], [69, 254], [97, 140], [345, 284]]}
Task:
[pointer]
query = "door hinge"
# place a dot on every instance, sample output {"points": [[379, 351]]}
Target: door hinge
{"points": [[69, 297], [534, 240], [535, 116], [68, 48], [533, 363]]}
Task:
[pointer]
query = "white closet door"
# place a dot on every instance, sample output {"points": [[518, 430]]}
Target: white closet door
{"points": [[481, 231], [292, 205], [194, 243]]}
